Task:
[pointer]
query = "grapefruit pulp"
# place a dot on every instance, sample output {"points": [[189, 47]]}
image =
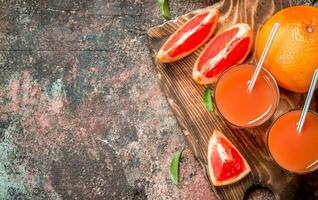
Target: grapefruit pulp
{"points": [[226, 163], [228, 48], [189, 36]]}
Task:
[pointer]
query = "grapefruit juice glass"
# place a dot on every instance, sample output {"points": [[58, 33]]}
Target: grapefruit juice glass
{"points": [[293, 151], [240, 107]]}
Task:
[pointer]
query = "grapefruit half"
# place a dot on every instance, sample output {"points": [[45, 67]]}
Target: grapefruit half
{"points": [[189, 36], [231, 47], [226, 163]]}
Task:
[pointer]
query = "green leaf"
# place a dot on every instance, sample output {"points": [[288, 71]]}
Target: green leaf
{"points": [[174, 167], [207, 99], [164, 8]]}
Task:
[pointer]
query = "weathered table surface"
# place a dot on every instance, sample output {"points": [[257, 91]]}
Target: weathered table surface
{"points": [[81, 112]]}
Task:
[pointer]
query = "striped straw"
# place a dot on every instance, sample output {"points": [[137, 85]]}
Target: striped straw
{"points": [[307, 102], [263, 56]]}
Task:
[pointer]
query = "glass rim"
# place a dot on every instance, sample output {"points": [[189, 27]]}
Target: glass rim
{"points": [[276, 88], [267, 144]]}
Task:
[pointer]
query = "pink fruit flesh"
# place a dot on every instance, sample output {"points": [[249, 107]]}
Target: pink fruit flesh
{"points": [[216, 46], [233, 57], [189, 26], [194, 39], [229, 168]]}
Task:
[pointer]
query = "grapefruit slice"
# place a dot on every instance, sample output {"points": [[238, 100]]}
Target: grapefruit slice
{"points": [[228, 48], [226, 163], [189, 36]]}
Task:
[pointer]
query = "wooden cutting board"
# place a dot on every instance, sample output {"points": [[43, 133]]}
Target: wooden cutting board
{"points": [[185, 98]]}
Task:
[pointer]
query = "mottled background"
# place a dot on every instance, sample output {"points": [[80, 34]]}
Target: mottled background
{"points": [[81, 113]]}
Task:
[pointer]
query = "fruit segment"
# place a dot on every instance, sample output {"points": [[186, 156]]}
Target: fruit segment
{"points": [[226, 163], [190, 36], [229, 48]]}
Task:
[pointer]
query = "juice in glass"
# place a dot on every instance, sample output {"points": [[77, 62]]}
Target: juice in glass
{"points": [[295, 152], [241, 107]]}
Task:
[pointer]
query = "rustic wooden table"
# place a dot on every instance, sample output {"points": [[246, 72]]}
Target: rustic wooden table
{"points": [[81, 113]]}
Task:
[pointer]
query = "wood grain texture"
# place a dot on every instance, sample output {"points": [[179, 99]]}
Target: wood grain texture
{"points": [[185, 99]]}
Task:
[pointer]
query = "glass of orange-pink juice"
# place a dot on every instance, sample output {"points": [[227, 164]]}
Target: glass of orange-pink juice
{"points": [[293, 151], [241, 107]]}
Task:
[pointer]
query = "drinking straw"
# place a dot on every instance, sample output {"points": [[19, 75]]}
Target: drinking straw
{"points": [[307, 102], [263, 56]]}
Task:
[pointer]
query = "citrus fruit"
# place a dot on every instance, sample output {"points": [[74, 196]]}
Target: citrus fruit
{"points": [[189, 36], [228, 48], [226, 163], [292, 57]]}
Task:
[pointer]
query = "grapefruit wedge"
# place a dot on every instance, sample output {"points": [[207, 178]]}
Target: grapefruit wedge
{"points": [[226, 163], [189, 36], [228, 48]]}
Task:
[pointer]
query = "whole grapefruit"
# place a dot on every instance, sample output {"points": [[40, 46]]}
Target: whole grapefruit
{"points": [[293, 55]]}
